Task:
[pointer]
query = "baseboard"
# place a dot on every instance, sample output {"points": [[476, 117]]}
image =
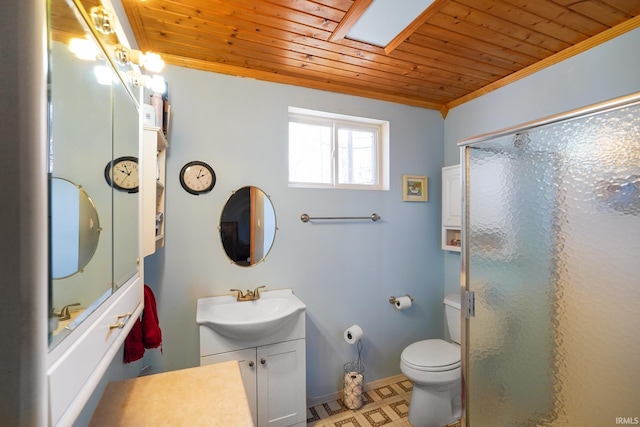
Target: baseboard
{"points": [[313, 401]]}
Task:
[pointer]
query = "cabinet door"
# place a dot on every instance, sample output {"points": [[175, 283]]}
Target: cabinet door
{"points": [[451, 196], [247, 362], [282, 384], [154, 148]]}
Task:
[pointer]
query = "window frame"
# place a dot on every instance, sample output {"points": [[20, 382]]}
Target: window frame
{"points": [[380, 130]]}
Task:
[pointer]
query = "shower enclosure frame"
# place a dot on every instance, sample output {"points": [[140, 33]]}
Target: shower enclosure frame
{"points": [[467, 311]]}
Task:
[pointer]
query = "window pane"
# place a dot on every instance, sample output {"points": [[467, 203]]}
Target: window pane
{"points": [[310, 153], [356, 156]]}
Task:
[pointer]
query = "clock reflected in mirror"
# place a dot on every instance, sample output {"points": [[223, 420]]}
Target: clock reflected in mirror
{"points": [[122, 174]]}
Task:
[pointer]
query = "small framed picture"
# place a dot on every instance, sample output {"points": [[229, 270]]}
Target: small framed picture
{"points": [[414, 188]]}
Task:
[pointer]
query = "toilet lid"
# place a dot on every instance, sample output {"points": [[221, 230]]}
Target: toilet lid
{"points": [[432, 355]]}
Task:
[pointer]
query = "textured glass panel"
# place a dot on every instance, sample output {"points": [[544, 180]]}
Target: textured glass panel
{"points": [[554, 259]]}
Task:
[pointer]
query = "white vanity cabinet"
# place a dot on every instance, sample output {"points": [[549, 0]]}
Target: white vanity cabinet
{"points": [[76, 366], [273, 371], [451, 208], [274, 378]]}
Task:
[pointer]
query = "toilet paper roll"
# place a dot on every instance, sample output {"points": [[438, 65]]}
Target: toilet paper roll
{"points": [[352, 392], [352, 334], [353, 381], [402, 303]]}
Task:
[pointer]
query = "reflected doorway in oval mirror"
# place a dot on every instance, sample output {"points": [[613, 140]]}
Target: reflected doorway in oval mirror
{"points": [[248, 226]]}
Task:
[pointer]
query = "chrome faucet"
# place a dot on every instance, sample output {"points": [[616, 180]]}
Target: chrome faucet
{"points": [[64, 313], [249, 295]]}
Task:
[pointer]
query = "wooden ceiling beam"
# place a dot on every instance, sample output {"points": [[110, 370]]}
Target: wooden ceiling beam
{"points": [[413, 27]]}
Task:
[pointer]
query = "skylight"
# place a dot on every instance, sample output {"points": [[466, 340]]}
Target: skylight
{"points": [[385, 19]]}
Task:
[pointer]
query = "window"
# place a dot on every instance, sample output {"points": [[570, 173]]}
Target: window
{"points": [[336, 151]]}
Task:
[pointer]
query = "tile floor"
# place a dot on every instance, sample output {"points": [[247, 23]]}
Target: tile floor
{"points": [[384, 406]]}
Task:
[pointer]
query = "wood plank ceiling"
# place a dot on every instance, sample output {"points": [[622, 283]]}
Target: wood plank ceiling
{"points": [[455, 51]]}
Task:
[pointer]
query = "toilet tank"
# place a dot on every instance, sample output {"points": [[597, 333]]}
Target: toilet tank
{"points": [[452, 313]]}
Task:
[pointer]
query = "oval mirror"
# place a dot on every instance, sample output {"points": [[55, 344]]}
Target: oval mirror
{"points": [[248, 226], [75, 228]]}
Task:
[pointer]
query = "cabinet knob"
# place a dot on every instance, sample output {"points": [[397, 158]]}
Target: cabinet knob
{"points": [[251, 364], [263, 361]]}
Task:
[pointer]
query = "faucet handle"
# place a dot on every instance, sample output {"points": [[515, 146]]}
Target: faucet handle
{"points": [[239, 291], [64, 313], [256, 292]]}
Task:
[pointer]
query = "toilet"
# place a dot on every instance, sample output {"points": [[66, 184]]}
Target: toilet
{"points": [[434, 367]]}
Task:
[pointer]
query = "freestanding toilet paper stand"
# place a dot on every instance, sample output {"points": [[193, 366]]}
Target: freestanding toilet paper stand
{"points": [[354, 381]]}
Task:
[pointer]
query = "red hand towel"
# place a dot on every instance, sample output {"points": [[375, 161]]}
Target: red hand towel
{"points": [[133, 346], [151, 333], [145, 333]]}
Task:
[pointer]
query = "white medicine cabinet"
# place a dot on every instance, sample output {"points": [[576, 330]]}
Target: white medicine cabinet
{"points": [[451, 208], [95, 129]]}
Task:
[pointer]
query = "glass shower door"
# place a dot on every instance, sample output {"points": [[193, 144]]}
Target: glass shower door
{"points": [[552, 256]]}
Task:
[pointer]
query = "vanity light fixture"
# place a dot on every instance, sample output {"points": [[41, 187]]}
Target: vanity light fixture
{"points": [[102, 20]]}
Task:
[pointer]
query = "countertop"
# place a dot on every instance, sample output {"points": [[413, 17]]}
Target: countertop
{"points": [[211, 395]]}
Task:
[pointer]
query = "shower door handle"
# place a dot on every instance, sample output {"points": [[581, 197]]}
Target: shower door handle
{"points": [[470, 303]]}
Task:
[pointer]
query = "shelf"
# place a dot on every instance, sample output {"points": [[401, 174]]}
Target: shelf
{"points": [[162, 143], [449, 235]]}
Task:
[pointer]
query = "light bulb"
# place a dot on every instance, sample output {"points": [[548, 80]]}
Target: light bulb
{"points": [[153, 62], [85, 49], [150, 61], [158, 85], [103, 74]]}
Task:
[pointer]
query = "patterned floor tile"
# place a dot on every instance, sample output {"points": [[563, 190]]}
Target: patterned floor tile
{"points": [[334, 407], [385, 392], [386, 406], [377, 417], [401, 408]]}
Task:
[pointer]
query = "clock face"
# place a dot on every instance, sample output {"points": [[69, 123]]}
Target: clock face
{"points": [[122, 174], [197, 177]]}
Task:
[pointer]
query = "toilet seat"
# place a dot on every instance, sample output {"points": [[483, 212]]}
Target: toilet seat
{"points": [[433, 355]]}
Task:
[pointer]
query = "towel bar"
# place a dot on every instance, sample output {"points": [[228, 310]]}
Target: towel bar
{"points": [[306, 218]]}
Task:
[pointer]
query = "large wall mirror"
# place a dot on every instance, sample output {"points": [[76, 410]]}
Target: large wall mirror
{"points": [[248, 226], [93, 119]]}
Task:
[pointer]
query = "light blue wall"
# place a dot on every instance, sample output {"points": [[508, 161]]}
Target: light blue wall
{"points": [[605, 72], [344, 272]]}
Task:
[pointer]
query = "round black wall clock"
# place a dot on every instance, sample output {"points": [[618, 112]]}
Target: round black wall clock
{"points": [[197, 178], [122, 174]]}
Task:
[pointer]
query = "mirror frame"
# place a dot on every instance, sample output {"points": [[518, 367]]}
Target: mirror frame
{"points": [[253, 213]]}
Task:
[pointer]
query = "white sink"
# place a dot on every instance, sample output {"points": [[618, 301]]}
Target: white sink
{"points": [[245, 320]]}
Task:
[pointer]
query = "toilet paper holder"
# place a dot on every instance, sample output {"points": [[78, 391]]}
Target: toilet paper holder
{"points": [[392, 299]]}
